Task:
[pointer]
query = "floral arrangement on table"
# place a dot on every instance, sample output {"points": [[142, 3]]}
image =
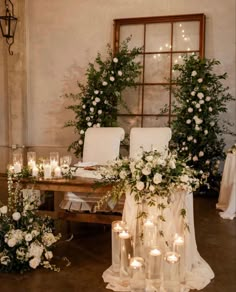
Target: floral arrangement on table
{"points": [[26, 239], [201, 98], [232, 149], [99, 99], [149, 176]]}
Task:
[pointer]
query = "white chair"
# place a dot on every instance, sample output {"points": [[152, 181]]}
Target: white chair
{"points": [[101, 145], [147, 139]]}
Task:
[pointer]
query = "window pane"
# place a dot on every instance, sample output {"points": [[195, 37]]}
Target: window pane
{"points": [[157, 68], [137, 33], [158, 37], [155, 122], [133, 100], [186, 36], [155, 99]]}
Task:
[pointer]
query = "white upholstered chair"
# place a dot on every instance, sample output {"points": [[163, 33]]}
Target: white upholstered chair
{"points": [[147, 139], [101, 145]]}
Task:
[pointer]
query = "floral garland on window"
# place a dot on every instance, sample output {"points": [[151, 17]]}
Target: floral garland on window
{"points": [[99, 99]]}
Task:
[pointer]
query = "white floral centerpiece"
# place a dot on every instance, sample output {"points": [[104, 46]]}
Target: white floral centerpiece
{"points": [[151, 175], [26, 239]]}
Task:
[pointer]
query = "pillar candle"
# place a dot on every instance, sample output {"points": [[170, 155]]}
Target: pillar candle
{"points": [[171, 271], [47, 171], [35, 171], [126, 252], [179, 247], [154, 268], [57, 171], [17, 167], [117, 227], [137, 274]]}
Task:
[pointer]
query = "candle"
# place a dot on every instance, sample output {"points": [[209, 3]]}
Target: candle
{"points": [[17, 162], [137, 274], [178, 246], [54, 159], [57, 171], [154, 268], [171, 273], [47, 171], [31, 158], [35, 171], [31, 163], [126, 252], [149, 233], [17, 167], [117, 227]]}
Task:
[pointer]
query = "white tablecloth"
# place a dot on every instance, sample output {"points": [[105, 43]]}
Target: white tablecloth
{"points": [[198, 273], [227, 197]]}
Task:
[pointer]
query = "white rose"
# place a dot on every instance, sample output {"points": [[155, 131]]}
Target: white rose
{"points": [[92, 109], [157, 178], [151, 188], [190, 110], [200, 95], [3, 210], [200, 80], [140, 185], [112, 79], [149, 158], [99, 112], [48, 239], [16, 216], [188, 121], [197, 105], [94, 103], [83, 106], [115, 60], [28, 237], [97, 99], [98, 125], [96, 92], [190, 138], [5, 260], [120, 73], [195, 158], [200, 110], [212, 123], [205, 132], [146, 171], [104, 83], [201, 153], [11, 242], [172, 164], [34, 262], [194, 141], [80, 142], [194, 73], [207, 162], [184, 178], [208, 98], [193, 93], [87, 118], [81, 132], [197, 128], [210, 109], [201, 101], [48, 255], [89, 124], [122, 174]]}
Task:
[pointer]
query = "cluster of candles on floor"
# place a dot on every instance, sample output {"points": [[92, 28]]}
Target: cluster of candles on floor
{"points": [[50, 167], [156, 268]]}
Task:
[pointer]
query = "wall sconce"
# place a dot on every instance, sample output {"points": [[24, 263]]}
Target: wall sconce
{"points": [[8, 24]]}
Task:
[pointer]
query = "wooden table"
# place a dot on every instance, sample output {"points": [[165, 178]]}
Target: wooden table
{"points": [[77, 184]]}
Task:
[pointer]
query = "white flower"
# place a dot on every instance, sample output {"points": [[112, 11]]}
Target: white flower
{"points": [[35, 233], [99, 112], [197, 105], [48, 238], [212, 124], [207, 162], [151, 188], [34, 262], [205, 132], [35, 250], [193, 93], [104, 83], [12, 242], [146, 171], [123, 174], [199, 80], [81, 142], [184, 178], [5, 260], [106, 102], [115, 60], [195, 158], [28, 237], [81, 132], [94, 103], [16, 216], [3, 210], [210, 109], [194, 73], [120, 73], [112, 79], [190, 110], [97, 99], [89, 124], [98, 125], [83, 106], [194, 141], [172, 164], [201, 101], [149, 158], [87, 118], [208, 98], [195, 57], [91, 109], [200, 95], [201, 153], [198, 121], [96, 92], [197, 128], [190, 138], [188, 121], [157, 178], [140, 185], [183, 143], [200, 110], [48, 255]]}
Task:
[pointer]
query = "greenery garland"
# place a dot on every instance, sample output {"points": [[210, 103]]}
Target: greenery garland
{"points": [[201, 98], [98, 100]]}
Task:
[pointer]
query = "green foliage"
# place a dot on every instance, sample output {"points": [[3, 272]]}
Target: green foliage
{"points": [[97, 101], [201, 98]]}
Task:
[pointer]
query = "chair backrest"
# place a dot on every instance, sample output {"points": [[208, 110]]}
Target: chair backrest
{"points": [[102, 144], [147, 139]]}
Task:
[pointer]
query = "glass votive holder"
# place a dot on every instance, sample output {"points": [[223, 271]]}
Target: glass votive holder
{"points": [[117, 227], [17, 162], [126, 252], [54, 159], [137, 274], [31, 159], [154, 268], [171, 271], [65, 161]]}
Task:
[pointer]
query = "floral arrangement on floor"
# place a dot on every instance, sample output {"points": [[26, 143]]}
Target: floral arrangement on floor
{"points": [[149, 176], [201, 98], [99, 99], [26, 239]]}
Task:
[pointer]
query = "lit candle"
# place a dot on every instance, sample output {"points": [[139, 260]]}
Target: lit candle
{"points": [[17, 167], [57, 171], [47, 171], [149, 233], [35, 171], [117, 227], [137, 274], [178, 246], [126, 252], [31, 164], [171, 273], [154, 268], [31, 158]]}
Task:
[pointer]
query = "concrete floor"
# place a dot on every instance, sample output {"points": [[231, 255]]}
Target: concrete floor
{"points": [[90, 255]]}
